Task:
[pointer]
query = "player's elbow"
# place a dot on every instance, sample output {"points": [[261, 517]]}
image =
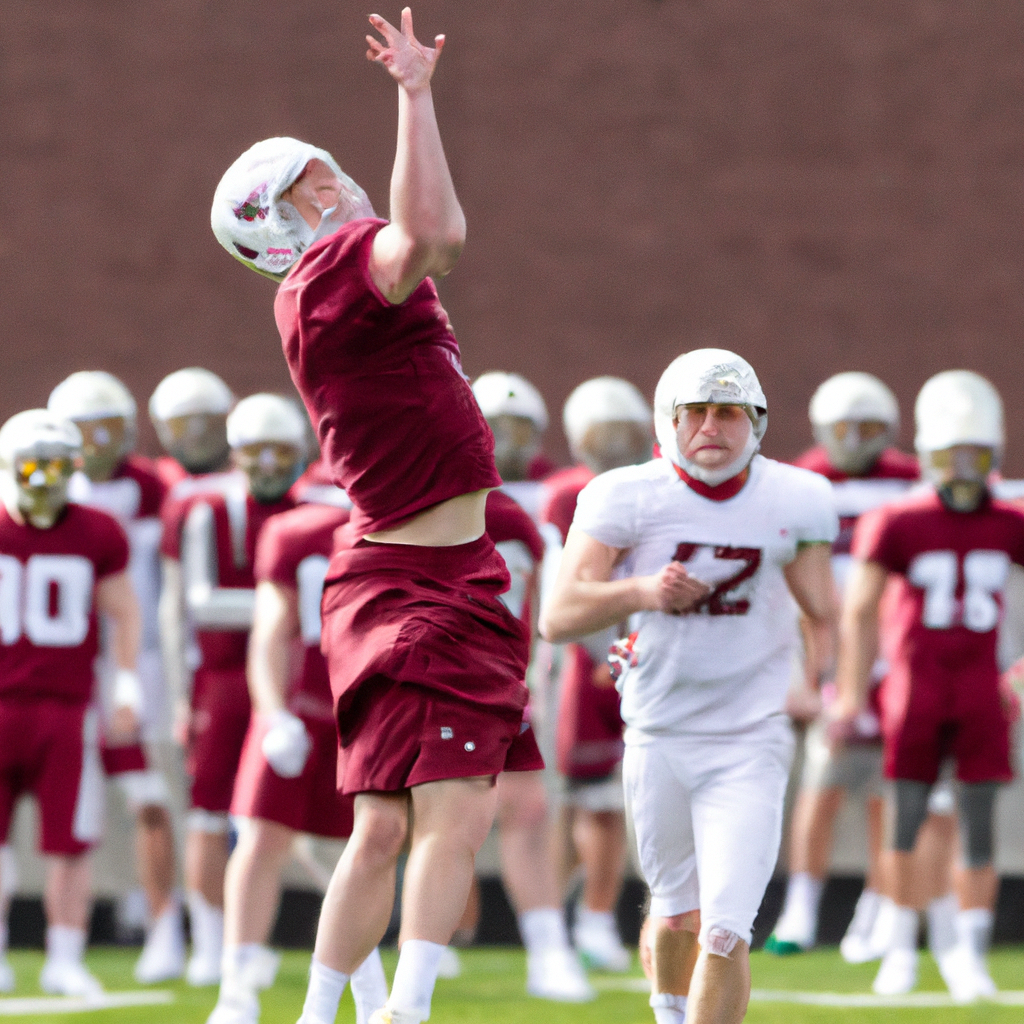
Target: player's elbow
{"points": [[554, 625]]}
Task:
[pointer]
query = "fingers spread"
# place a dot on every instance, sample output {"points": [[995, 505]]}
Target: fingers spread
{"points": [[407, 22]]}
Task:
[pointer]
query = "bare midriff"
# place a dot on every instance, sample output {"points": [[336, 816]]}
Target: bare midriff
{"points": [[458, 520]]}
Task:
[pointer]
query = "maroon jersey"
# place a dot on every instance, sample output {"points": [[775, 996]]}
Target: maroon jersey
{"points": [[892, 464], [520, 544], [951, 569], [170, 471], [238, 518], [561, 491], [382, 383], [48, 632], [293, 550]]}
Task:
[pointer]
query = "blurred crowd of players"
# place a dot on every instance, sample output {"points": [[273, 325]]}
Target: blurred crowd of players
{"points": [[187, 607]]}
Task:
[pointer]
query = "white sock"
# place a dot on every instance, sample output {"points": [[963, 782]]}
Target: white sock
{"points": [[974, 929], [65, 945], [543, 928], [904, 928], [668, 1009], [415, 975], [804, 892], [369, 987], [236, 959], [595, 920], [323, 994], [207, 926], [942, 924]]}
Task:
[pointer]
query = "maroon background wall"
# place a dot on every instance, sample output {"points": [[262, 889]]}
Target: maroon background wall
{"points": [[820, 186]]}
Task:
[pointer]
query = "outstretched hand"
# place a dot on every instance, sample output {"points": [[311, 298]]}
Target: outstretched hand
{"points": [[409, 62]]}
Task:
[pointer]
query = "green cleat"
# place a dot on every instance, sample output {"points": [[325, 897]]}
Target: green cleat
{"points": [[782, 947]]}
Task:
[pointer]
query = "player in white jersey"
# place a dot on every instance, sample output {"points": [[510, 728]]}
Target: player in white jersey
{"points": [[118, 482], [705, 549]]}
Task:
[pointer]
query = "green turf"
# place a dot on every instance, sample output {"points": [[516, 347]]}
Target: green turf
{"points": [[491, 990]]}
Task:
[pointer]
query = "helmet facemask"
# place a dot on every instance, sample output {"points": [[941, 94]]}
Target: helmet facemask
{"points": [[960, 474], [41, 486], [105, 443], [271, 467], [854, 446], [197, 440], [516, 445]]}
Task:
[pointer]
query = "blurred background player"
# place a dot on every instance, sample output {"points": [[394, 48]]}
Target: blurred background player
{"points": [[608, 425], [189, 411], [286, 781], [949, 550], [516, 413], [61, 566], [210, 528], [855, 420], [128, 487]]}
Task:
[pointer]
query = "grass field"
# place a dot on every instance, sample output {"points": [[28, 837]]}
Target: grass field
{"points": [[491, 990]]}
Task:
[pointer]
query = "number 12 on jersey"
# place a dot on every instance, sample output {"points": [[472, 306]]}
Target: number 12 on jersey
{"points": [[940, 573]]}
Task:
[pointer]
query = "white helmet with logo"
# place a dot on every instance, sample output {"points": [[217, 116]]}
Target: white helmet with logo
{"points": [[958, 407], [252, 222], [508, 394], [190, 392], [266, 419], [713, 376], [603, 400], [95, 395], [853, 399]]}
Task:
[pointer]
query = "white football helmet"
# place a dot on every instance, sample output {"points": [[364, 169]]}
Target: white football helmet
{"points": [[38, 453], [266, 419], [96, 395], [190, 392], [845, 412], [508, 394], [602, 400], [260, 230], [713, 376]]}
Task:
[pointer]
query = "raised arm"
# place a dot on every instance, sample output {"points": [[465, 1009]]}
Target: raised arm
{"points": [[584, 598], [427, 228]]}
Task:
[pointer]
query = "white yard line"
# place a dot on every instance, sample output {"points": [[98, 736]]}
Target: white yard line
{"points": [[837, 1000], [76, 1004]]}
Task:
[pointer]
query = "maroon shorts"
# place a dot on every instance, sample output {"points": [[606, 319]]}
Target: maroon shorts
{"points": [[308, 803], [121, 760], [588, 738], [220, 719], [922, 724], [416, 639], [49, 748], [399, 735]]}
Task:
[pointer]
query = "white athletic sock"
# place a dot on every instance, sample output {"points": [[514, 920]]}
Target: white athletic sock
{"points": [[668, 1009], [904, 928], [369, 987], [596, 920], [323, 994], [974, 929], [207, 923], [543, 928], [415, 976], [65, 945], [941, 914], [803, 892]]}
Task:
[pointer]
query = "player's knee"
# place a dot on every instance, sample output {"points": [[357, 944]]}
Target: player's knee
{"points": [[688, 922], [977, 808], [154, 817], [911, 809], [524, 807], [719, 941], [381, 833]]}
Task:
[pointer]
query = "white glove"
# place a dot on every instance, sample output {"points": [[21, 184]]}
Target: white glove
{"points": [[286, 744], [127, 690]]}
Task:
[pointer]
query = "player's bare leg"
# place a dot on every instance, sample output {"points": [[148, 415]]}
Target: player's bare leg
{"points": [[674, 952], [600, 840], [720, 989], [66, 900], [528, 871], [206, 858]]}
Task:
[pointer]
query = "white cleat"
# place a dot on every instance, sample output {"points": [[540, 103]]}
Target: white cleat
{"points": [[163, 954], [202, 971], [7, 980], [966, 975], [898, 973], [449, 966], [69, 978], [601, 949], [558, 975], [239, 1006]]}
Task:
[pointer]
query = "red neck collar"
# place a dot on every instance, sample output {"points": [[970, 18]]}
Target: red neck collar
{"points": [[723, 492]]}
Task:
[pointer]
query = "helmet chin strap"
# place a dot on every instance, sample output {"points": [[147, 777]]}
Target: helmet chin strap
{"points": [[714, 477]]}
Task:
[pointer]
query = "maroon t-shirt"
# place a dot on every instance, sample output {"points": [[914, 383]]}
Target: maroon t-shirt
{"points": [[382, 383], [152, 489], [293, 550], [950, 571], [561, 490], [235, 537], [48, 632]]}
